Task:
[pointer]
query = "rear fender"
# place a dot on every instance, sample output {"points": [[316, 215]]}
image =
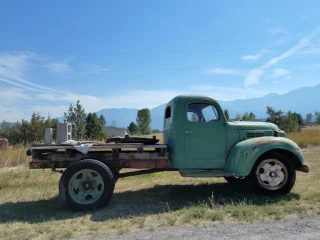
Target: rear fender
{"points": [[244, 154]]}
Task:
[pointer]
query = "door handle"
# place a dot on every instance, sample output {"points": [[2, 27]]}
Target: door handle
{"points": [[187, 132]]}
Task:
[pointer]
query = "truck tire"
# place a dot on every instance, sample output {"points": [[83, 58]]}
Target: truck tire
{"points": [[85, 185], [273, 173], [236, 180]]}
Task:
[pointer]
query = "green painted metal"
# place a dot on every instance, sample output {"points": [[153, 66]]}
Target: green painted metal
{"points": [[245, 153], [195, 144], [86, 186], [232, 147]]}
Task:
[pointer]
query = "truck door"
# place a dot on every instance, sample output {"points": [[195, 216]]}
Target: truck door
{"points": [[205, 136]]}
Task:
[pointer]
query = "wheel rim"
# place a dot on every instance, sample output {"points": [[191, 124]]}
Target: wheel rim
{"points": [[86, 186], [272, 174]]}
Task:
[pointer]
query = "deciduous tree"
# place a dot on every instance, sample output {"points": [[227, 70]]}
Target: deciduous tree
{"points": [[143, 121], [77, 117], [132, 128]]}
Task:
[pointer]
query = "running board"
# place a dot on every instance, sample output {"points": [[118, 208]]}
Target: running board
{"points": [[205, 173]]}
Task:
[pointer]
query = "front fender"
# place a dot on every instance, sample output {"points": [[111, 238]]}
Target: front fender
{"points": [[244, 154]]}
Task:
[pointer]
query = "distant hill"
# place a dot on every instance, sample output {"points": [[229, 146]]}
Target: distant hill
{"points": [[124, 116], [303, 100]]}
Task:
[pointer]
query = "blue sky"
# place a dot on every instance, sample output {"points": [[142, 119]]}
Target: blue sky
{"points": [[137, 54]]}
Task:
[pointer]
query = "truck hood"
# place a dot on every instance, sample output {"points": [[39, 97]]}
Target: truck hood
{"points": [[246, 125]]}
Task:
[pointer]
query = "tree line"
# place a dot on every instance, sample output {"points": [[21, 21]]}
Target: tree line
{"points": [[289, 121], [85, 126]]}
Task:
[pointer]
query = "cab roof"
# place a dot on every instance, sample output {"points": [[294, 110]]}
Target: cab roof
{"points": [[188, 97]]}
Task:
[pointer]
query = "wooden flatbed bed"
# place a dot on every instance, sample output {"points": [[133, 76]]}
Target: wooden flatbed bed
{"points": [[116, 156]]}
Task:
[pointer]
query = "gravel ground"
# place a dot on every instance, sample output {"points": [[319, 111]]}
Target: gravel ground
{"points": [[308, 228]]}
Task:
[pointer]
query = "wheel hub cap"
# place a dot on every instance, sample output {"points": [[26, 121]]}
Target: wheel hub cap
{"points": [[86, 186], [272, 174]]}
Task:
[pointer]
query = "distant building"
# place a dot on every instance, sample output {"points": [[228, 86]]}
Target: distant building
{"points": [[114, 131]]}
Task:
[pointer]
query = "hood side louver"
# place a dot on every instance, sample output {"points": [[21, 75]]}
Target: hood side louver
{"points": [[255, 134]]}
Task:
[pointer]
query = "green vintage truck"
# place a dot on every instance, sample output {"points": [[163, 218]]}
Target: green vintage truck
{"points": [[198, 142]]}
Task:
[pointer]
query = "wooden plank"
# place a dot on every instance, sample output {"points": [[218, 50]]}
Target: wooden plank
{"points": [[109, 146], [157, 163]]}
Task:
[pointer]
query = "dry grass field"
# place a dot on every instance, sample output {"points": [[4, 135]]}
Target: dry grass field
{"points": [[30, 209], [309, 136]]}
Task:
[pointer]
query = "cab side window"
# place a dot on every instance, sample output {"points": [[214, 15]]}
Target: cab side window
{"points": [[201, 112]]}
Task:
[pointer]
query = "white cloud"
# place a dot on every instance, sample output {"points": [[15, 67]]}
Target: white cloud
{"points": [[226, 93], [312, 50], [277, 30], [280, 72], [253, 76], [288, 78], [224, 71], [11, 94], [251, 57], [256, 73], [14, 64], [59, 67]]}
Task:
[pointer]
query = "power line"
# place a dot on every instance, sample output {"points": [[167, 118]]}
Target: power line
{"points": [[135, 71], [143, 52]]}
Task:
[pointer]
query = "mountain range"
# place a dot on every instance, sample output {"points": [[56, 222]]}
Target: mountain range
{"points": [[303, 100]]}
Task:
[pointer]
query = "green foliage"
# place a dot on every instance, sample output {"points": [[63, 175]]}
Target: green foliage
{"points": [[290, 123], [317, 117], [299, 118], [132, 128], [238, 117], [275, 117], [248, 116], [309, 118], [77, 117], [287, 122], [226, 113], [143, 121], [27, 132], [102, 121], [94, 127]]}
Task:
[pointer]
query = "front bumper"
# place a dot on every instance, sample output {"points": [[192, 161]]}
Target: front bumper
{"points": [[304, 168]]}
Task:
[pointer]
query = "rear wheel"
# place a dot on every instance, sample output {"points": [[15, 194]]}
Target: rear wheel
{"points": [[273, 173], [86, 184]]}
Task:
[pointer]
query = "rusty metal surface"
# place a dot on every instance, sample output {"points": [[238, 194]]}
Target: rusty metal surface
{"points": [[116, 158], [272, 174], [120, 163], [304, 168], [141, 172]]}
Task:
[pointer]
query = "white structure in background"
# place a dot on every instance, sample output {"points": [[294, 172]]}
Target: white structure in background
{"points": [[114, 131], [64, 132], [48, 136]]}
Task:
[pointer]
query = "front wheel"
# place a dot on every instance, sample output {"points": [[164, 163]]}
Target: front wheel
{"points": [[273, 173], [85, 185]]}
